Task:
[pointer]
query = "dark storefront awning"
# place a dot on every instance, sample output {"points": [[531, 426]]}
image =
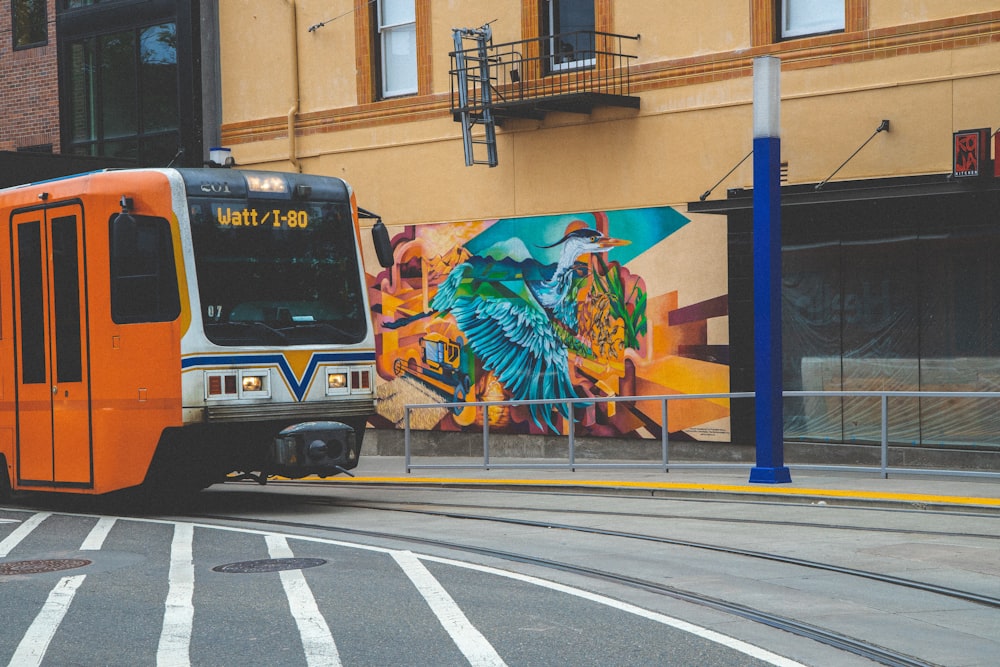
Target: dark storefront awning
{"points": [[904, 187]]}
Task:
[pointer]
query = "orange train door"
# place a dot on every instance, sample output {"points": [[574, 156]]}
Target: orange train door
{"points": [[51, 351]]}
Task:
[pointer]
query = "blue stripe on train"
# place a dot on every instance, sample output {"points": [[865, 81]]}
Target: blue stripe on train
{"points": [[297, 385]]}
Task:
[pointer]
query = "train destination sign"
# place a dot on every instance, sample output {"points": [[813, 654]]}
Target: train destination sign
{"points": [[228, 216]]}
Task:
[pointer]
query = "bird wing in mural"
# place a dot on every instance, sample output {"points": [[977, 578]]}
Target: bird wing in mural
{"points": [[507, 311], [511, 335]]}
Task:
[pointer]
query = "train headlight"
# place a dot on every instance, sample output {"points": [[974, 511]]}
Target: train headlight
{"points": [[254, 384], [336, 381], [233, 384]]}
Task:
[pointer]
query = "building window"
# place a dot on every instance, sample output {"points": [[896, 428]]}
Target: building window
{"points": [[567, 29], [774, 20], [397, 44], [123, 98], [810, 17], [29, 23]]}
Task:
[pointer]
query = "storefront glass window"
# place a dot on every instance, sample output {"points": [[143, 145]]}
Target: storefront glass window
{"points": [[892, 298]]}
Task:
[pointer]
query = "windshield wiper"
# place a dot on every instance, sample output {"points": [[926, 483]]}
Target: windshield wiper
{"points": [[351, 335], [274, 333]]}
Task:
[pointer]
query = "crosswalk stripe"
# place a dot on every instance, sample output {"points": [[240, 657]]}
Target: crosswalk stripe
{"points": [[473, 645], [178, 617], [35, 641], [22, 531], [317, 640], [95, 540]]}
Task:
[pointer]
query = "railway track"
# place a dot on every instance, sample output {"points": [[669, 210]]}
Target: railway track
{"points": [[657, 548], [513, 515]]}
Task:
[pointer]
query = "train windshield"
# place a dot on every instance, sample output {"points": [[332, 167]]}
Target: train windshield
{"points": [[273, 272]]}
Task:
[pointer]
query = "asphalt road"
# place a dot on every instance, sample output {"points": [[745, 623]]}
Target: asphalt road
{"points": [[378, 575]]}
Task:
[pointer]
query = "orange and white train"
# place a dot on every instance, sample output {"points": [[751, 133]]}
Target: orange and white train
{"points": [[176, 326]]}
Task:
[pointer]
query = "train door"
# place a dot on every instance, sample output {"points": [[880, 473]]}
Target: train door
{"points": [[51, 351]]}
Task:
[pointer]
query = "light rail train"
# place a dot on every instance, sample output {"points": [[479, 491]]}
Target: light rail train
{"points": [[176, 326]]}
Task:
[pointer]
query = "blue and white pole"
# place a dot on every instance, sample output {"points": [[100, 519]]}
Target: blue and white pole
{"points": [[770, 467]]}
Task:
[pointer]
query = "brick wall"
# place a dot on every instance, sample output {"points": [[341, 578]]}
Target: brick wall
{"points": [[29, 88]]}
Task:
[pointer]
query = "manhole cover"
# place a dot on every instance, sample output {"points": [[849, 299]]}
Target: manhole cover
{"points": [[269, 565], [40, 566]]}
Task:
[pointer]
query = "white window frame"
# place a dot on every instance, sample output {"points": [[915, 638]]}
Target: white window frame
{"points": [[824, 16], [397, 48]]}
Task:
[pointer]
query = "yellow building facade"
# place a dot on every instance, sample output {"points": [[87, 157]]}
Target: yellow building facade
{"points": [[929, 66], [367, 91]]}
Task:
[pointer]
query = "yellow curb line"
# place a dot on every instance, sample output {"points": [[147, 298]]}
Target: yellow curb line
{"points": [[687, 486]]}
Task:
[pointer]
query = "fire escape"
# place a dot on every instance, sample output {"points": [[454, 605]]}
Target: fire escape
{"points": [[571, 72]]}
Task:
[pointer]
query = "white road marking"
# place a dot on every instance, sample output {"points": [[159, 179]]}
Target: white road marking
{"points": [[317, 640], [699, 631], [95, 540], [178, 617], [696, 630], [22, 531], [473, 645], [35, 641]]}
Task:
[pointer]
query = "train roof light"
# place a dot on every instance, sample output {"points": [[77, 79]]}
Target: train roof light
{"points": [[267, 184]]}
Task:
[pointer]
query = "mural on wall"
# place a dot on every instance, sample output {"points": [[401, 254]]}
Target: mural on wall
{"points": [[554, 307]]}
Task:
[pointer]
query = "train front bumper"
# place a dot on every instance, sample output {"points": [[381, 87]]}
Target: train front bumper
{"points": [[322, 448]]}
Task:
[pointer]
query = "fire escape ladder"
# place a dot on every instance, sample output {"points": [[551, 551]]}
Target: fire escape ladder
{"points": [[476, 108]]}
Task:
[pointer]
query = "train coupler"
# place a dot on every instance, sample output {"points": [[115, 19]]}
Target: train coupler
{"points": [[313, 448]]}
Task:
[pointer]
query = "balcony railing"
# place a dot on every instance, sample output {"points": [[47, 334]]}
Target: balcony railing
{"points": [[573, 72]]}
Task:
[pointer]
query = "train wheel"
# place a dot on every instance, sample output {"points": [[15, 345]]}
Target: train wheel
{"points": [[182, 466]]}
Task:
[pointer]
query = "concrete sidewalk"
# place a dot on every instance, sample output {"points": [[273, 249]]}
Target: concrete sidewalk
{"points": [[910, 490]]}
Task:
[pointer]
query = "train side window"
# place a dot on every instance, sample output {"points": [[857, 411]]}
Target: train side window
{"points": [[143, 273], [32, 310], [66, 294]]}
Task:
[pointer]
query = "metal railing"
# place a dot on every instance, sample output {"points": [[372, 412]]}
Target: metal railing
{"points": [[884, 469], [664, 463], [531, 70]]}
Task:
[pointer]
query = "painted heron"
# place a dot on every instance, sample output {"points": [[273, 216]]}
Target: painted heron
{"points": [[516, 316]]}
